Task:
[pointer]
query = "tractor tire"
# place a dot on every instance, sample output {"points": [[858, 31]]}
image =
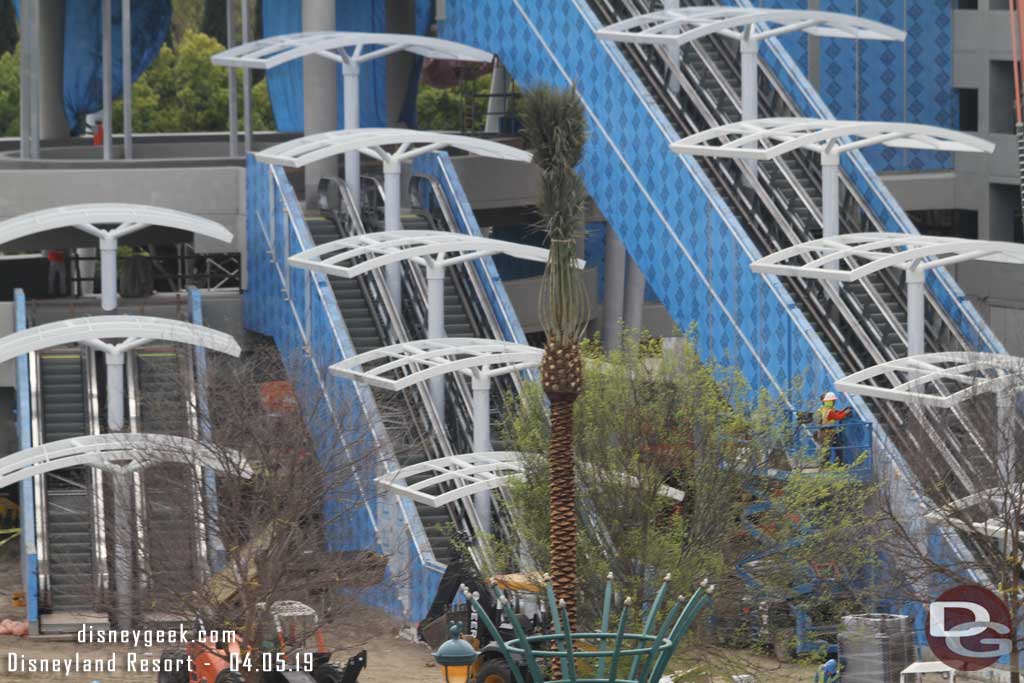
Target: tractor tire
{"points": [[494, 671], [329, 672], [176, 661], [228, 676]]}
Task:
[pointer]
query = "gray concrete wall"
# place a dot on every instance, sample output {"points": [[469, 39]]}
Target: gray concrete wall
{"points": [[217, 193], [6, 328], [495, 184]]}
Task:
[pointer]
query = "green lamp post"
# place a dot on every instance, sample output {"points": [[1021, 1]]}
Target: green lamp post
{"points": [[456, 657]]}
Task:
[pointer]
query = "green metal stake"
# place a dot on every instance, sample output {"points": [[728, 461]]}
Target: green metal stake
{"points": [[618, 641], [569, 656], [492, 629], [655, 654], [697, 602], [553, 609], [605, 616], [649, 621], [531, 660]]}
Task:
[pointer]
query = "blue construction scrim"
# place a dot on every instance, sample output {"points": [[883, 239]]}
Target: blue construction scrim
{"points": [[83, 51], [424, 19], [298, 310], [285, 82], [26, 494], [872, 80]]}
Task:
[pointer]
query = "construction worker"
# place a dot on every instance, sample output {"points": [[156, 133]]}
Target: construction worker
{"points": [[826, 415], [827, 672]]}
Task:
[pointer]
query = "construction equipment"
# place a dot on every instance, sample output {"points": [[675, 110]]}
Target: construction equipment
{"points": [[522, 590], [288, 657]]}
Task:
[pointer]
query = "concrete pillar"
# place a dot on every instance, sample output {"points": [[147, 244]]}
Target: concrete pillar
{"points": [[482, 441], [126, 73], [52, 123], [915, 312], [1006, 443], [122, 549], [115, 391], [633, 304], [37, 77], [392, 222], [320, 93], [614, 288], [108, 273], [830, 195], [435, 327], [108, 82], [748, 74]]}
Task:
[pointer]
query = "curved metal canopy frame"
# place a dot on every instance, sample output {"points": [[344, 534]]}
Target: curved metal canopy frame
{"points": [[128, 218], [763, 139], [352, 256], [938, 379], [344, 47], [373, 141], [125, 452], [398, 366], [997, 500], [460, 476], [680, 26], [847, 258], [134, 329]]}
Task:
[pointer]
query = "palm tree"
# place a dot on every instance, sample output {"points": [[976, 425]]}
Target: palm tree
{"points": [[555, 129]]}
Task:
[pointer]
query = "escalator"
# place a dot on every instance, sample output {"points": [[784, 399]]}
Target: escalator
{"points": [[69, 568], [162, 387], [369, 328], [861, 323]]}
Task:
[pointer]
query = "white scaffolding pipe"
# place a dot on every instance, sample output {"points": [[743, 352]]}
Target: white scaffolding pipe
{"points": [[108, 85], [392, 221], [246, 83], [350, 97], [497, 103], [748, 72], [232, 86], [108, 273], [126, 73]]}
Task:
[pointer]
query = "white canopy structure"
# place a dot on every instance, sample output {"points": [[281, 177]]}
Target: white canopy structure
{"points": [[765, 139], [134, 330], [846, 258], [116, 452], [998, 500], [458, 476], [399, 366], [376, 142], [127, 218], [749, 25], [351, 50], [435, 250]]}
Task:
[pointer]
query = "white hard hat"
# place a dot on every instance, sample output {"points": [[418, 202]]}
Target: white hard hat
{"points": [[829, 396]]}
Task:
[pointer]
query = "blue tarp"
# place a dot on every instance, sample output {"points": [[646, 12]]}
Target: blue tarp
{"points": [[83, 50], [285, 82]]}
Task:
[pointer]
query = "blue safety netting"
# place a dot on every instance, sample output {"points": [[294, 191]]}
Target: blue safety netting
{"points": [[83, 51], [285, 82]]}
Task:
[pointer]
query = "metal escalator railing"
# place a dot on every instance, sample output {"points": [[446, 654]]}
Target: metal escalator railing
{"points": [[861, 323], [338, 205]]}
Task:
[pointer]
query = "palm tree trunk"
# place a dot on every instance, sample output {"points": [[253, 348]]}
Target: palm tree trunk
{"points": [[562, 375]]}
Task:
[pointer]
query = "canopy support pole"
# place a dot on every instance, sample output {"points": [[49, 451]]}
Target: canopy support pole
{"points": [[482, 441], [1007, 438], [108, 273], [915, 311], [108, 85], [634, 297], [246, 83], [435, 326], [232, 86], [497, 102], [126, 73], [392, 219], [35, 85], [748, 91], [350, 93], [122, 502], [830, 194]]}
